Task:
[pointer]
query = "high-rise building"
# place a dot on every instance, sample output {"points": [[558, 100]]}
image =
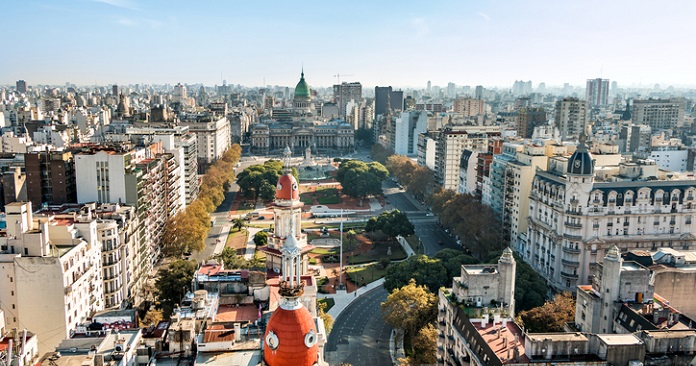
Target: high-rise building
{"points": [[521, 87], [345, 93], [50, 178], [469, 107], [479, 92], [49, 286], [597, 92], [571, 117], [451, 142], [21, 86], [659, 114], [384, 94], [528, 118], [114, 90], [404, 130]]}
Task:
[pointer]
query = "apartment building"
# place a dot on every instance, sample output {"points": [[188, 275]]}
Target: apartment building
{"points": [[51, 278], [659, 114], [452, 141], [571, 118], [213, 136], [585, 204]]}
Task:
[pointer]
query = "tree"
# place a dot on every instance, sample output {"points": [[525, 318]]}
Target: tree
{"points": [[392, 223], [261, 238], [239, 224], [365, 136], [410, 308], [231, 260], [350, 234], [360, 180], [425, 345], [381, 153], [183, 233], [172, 284], [328, 319], [452, 260], [551, 317], [259, 181], [425, 271], [153, 316]]}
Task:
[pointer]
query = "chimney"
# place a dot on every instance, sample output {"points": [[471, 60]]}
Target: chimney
{"points": [[237, 332]]}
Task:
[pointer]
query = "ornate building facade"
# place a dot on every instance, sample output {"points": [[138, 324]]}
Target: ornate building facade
{"points": [[577, 213], [301, 130]]}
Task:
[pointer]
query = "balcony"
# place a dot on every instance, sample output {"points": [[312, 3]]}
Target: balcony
{"points": [[574, 201], [572, 237], [576, 225], [570, 263], [571, 250], [569, 275], [573, 212]]}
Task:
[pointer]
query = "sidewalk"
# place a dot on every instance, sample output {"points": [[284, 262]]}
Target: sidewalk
{"points": [[251, 246], [342, 299], [221, 240], [396, 345]]}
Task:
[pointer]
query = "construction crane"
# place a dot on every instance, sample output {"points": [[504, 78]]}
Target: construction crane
{"points": [[338, 77]]}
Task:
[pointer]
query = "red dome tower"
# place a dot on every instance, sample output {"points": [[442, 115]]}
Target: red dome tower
{"points": [[291, 337]]}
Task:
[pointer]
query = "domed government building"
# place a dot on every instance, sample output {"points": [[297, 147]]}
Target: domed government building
{"points": [[299, 129]]}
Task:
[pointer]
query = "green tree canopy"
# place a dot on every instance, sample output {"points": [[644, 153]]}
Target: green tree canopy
{"points": [[260, 180], [172, 284], [261, 238], [425, 271], [452, 260], [392, 223], [359, 179]]}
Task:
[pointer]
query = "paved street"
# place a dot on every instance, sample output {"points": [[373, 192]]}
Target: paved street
{"points": [[427, 228], [359, 335]]}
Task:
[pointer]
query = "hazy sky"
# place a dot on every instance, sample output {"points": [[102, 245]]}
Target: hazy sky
{"points": [[400, 43]]}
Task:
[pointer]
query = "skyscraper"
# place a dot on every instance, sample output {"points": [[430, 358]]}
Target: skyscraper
{"points": [[21, 86], [384, 93], [571, 117], [344, 93], [528, 118], [597, 92], [114, 89]]}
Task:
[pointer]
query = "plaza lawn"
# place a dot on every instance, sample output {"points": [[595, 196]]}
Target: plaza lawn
{"points": [[237, 240], [379, 252], [323, 195], [365, 274], [324, 251], [329, 303]]}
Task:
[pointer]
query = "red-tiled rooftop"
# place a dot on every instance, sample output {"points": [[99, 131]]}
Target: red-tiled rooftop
{"points": [[497, 344], [243, 313], [219, 333]]}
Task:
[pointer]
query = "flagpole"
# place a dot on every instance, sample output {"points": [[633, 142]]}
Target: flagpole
{"points": [[340, 272]]}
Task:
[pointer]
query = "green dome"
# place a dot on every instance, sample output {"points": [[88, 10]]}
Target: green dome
{"points": [[302, 89]]}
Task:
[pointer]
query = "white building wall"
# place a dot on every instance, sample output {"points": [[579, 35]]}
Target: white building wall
{"points": [[672, 160], [88, 187]]}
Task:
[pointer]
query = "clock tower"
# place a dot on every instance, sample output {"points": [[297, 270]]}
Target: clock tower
{"points": [[287, 209]]}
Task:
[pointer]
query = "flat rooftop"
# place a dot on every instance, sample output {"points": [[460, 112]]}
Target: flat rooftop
{"points": [[619, 339], [497, 343], [237, 314]]}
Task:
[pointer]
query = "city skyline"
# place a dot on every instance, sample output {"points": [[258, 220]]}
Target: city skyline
{"points": [[406, 44]]}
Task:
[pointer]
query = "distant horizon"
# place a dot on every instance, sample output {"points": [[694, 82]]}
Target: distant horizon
{"points": [[405, 44], [535, 85]]}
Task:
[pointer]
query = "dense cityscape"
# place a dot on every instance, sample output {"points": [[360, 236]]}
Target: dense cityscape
{"points": [[152, 214]]}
